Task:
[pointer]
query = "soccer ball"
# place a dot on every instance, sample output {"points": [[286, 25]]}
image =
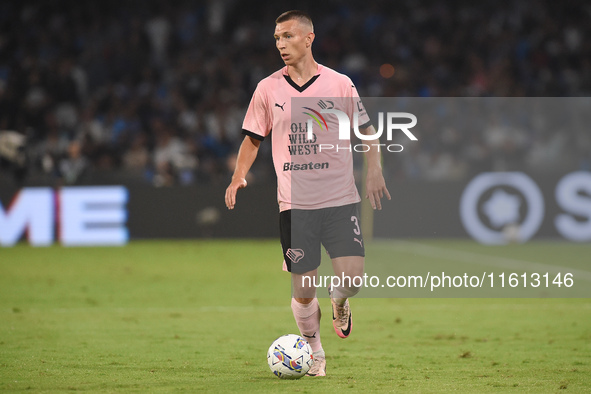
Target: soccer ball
{"points": [[290, 357]]}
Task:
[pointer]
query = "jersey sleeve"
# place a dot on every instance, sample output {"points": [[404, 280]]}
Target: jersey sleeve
{"points": [[355, 105], [257, 122]]}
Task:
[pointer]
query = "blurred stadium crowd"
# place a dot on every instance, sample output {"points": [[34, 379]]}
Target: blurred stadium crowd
{"points": [[158, 90]]}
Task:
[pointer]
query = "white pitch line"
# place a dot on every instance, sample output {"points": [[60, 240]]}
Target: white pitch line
{"points": [[166, 311], [487, 260], [244, 309], [453, 305]]}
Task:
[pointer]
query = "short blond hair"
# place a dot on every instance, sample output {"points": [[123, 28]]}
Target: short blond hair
{"points": [[298, 15]]}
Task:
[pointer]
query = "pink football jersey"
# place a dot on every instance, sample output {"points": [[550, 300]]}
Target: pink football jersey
{"points": [[310, 174]]}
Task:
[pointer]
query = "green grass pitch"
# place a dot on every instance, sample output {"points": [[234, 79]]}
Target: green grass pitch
{"points": [[160, 316]]}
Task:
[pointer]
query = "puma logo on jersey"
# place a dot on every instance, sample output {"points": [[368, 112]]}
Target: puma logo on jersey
{"points": [[358, 240], [280, 106], [295, 255]]}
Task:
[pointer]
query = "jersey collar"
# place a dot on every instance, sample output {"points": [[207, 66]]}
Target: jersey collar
{"points": [[304, 86]]}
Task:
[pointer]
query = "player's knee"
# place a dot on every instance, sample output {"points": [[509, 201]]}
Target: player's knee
{"points": [[304, 300], [351, 291], [346, 291]]}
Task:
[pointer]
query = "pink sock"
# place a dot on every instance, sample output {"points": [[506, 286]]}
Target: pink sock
{"points": [[307, 317]]}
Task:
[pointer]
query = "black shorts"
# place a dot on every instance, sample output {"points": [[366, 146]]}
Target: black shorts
{"points": [[303, 231]]}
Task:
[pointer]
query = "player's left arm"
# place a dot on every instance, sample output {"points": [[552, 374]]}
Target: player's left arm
{"points": [[375, 184]]}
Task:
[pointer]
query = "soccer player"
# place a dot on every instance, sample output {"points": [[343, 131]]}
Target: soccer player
{"points": [[318, 199]]}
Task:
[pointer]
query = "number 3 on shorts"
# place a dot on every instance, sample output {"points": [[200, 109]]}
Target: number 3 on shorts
{"points": [[356, 230]]}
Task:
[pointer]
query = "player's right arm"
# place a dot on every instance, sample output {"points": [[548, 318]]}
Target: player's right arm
{"points": [[256, 126], [246, 155]]}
